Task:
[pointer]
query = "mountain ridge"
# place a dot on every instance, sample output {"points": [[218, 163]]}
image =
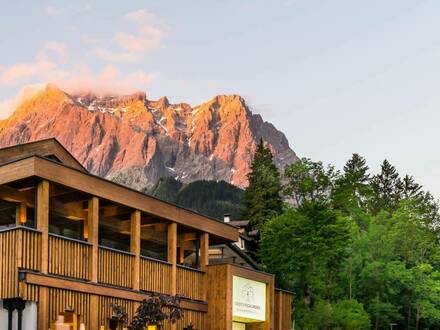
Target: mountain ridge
{"points": [[136, 141]]}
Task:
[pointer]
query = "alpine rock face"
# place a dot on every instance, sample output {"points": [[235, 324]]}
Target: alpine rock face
{"points": [[136, 141]]}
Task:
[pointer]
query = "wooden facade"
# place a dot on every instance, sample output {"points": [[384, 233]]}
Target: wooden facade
{"points": [[92, 243]]}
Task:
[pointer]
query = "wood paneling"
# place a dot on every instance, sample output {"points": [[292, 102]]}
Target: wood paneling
{"points": [[155, 276], [30, 245], [8, 268], [101, 290], [115, 267], [105, 308], [190, 283], [61, 300], [69, 258], [43, 148], [283, 310]]}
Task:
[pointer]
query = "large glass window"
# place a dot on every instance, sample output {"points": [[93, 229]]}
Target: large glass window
{"points": [[114, 226], [17, 205], [188, 248], [67, 212]]}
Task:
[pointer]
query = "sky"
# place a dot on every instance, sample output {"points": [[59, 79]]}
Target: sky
{"points": [[336, 76]]}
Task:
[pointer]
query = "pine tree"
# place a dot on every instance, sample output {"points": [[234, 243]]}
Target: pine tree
{"points": [[387, 189], [353, 188], [262, 198]]}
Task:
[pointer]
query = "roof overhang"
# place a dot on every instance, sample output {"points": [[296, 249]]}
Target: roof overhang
{"points": [[36, 166]]}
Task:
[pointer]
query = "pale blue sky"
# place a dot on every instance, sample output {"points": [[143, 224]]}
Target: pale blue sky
{"points": [[336, 76]]}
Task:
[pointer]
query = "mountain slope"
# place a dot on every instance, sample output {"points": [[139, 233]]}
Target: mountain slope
{"points": [[136, 141], [207, 197]]}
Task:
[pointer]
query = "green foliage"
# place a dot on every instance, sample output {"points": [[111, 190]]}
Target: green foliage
{"points": [[309, 181], [207, 197], [262, 198], [356, 248]]}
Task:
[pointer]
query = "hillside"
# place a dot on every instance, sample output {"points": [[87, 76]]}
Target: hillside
{"points": [[207, 197]]}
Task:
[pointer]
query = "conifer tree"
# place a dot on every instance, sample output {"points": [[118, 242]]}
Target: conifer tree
{"points": [[262, 198], [353, 187], [387, 189]]}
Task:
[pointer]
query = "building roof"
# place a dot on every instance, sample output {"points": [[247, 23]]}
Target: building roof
{"points": [[48, 148], [65, 170]]}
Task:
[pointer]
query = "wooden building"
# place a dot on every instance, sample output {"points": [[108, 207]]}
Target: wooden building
{"points": [[72, 245]]}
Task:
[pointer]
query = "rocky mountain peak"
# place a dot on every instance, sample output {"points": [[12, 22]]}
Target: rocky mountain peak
{"points": [[136, 141]]}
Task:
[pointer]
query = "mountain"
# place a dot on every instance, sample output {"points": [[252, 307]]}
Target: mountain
{"points": [[213, 198], [136, 141]]}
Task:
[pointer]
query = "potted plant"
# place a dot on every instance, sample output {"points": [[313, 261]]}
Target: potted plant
{"points": [[151, 312]]}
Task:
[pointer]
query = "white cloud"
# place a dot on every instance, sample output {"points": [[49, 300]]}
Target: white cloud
{"points": [[8, 106], [109, 81], [149, 32], [16, 73]]}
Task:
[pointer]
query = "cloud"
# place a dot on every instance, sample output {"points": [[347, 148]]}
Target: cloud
{"points": [[8, 106], [149, 32], [109, 81], [16, 73]]}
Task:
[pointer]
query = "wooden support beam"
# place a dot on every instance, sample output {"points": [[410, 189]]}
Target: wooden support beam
{"points": [[92, 236], [135, 247], [172, 255], [43, 226], [204, 261]]}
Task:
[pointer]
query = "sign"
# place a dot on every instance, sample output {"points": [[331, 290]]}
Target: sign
{"points": [[248, 299]]}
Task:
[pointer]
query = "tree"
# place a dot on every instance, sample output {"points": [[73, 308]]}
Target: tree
{"points": [[387, 188], [353, 187], [350, 315], [305, 248], [309, 181], [262, 198]]}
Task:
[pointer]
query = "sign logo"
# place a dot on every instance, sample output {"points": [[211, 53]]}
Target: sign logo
{"points": [[247, 293], [249, 300]]}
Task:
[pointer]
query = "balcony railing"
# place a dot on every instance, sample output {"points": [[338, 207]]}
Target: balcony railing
{"points": [[155, 275], [69, 257], [20, 247], [115, 267], [190, 282]]}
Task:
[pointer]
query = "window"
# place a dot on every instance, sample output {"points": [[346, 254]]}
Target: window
{"points": [[115, 226], [17, 205], [67, 212]]}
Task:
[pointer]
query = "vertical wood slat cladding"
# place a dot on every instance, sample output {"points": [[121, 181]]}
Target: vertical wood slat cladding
{"points": [[283, 310], [155, 276], [29, 291], [106, 311], [190, 283], [8, 270], [69, 258], [31, 249], [61, 300], [115, 267], [197, 319]]}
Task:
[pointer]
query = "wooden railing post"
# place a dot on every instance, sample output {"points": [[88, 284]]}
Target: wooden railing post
{"points": [[43, 226], [135, 248], [93, 238], [93, 230], [204, 261], [172, 256]]}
